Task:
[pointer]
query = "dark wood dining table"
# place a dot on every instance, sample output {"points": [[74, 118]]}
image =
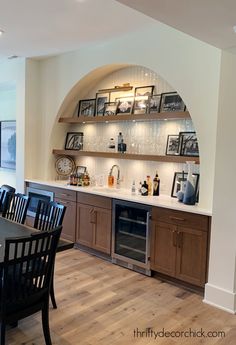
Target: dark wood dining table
{"points": [[9, 229]]}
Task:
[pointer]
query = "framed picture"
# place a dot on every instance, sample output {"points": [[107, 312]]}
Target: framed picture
{"points": [[8, 144], [87, 107], [172, 146], [110, 108], [171, 101], [154, 104], [180, 177], [125, 105], [80, 170], [74, 141], [144, 90], [101, 99], [188, 144], [140, 105]]}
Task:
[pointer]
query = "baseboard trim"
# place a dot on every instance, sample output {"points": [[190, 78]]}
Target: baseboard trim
{"points": [[220, 298]]}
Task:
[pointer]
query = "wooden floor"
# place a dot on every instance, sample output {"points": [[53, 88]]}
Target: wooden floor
{"points": [[102, 304]]}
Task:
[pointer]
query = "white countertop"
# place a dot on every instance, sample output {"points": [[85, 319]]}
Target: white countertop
{"points": [[125, 194]]}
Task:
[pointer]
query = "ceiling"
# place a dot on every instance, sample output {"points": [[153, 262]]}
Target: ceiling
{"points": [[211, 21], [48, 27]]}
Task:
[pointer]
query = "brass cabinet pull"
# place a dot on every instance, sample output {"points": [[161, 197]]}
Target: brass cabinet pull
{"points": [[180, 239], [93, 216], [177, 218], [174, 238]]}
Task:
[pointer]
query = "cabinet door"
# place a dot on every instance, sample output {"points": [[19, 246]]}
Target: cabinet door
{"points": [[102, 230], [163, 247], [85, 225], [69, 221], [191, 255]]}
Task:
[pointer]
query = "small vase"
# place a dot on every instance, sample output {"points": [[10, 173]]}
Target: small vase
{"points": [[189, 194], [180, 193]]}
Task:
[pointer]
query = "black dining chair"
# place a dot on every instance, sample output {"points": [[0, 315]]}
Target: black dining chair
{"points": [[4, 189], [24, 284], [48, 216], [2, 194], [15, 207]]}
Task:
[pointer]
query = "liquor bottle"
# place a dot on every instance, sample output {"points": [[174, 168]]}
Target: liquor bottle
{"points": [[149, 183], [120, 138], [122, 146], [144, 189], [156, 185]]}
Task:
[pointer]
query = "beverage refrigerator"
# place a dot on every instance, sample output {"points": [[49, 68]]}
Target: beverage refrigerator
{"points": [[130, 235]]}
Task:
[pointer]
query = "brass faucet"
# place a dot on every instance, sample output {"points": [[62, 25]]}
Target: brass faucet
{"points": [[118, 174]]}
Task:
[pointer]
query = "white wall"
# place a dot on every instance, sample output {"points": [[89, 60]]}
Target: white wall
{"points": [[193, 69], [13, 73], [220, 290], [190, 66]]}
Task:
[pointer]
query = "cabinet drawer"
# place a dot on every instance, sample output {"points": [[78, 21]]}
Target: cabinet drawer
{"points": [[196, 221], [94, 200], [65, 194]]}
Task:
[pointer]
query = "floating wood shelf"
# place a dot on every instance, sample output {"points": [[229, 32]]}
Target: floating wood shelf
{"points": [[173, 115], [132, 156]]}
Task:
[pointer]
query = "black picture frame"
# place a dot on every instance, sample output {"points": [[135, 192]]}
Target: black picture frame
{"points": [[80, 170], [74, 141], [124, 106], [182, 177], [110, 108], [140, 105], [154, 104], [188, 144], [101, 99], [144, 90], [173, 145], [87, 107], [171, 101]]}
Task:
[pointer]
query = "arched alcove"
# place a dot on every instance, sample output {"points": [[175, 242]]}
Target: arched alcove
{"points": [[150, 135]]}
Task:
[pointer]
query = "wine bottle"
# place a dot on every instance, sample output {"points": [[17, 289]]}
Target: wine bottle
{"points": [[156, 185]]}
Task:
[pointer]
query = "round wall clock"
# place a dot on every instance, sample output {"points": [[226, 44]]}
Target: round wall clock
{"points": [[64, 165]]}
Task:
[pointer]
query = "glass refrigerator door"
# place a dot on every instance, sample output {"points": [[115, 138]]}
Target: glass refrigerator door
{"points": [[131, 232]]}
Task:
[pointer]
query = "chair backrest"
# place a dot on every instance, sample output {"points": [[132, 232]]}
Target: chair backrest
{"points": [[49, 215], [5, 188], [24, 282], [16, 207], [2, 195]]}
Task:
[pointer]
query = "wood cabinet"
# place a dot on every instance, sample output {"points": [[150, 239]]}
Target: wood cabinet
{"points": [[179, 245], [65, 197], [94, 222]]}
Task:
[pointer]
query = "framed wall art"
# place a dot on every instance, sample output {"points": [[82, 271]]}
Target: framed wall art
{"points": [[171, 101], [188, 144], [8, 144], [110, 108], [101, 99], [144, 90], [74, 141], [140, 105], [180, 177], [87, 107], [154, 104], [172, 146], [125, 105]]}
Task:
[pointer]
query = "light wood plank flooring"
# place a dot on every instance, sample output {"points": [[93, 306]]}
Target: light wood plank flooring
{"points": [[102, 304]]}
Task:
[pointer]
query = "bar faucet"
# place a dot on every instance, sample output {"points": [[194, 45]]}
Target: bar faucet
{"points": [[118, 174]]}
